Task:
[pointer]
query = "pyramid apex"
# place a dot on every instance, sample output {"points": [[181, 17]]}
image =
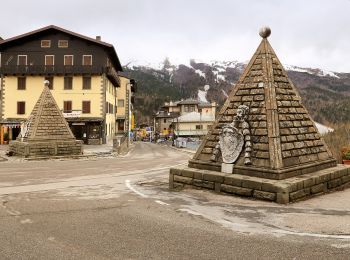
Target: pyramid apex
{"points": [[46, 83], [265, 32]]}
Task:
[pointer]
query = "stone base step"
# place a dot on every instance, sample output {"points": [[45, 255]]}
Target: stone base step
{"points": [[280, 191]]}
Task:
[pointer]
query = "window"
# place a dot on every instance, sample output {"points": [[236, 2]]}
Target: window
{"points": [[186, 108], [68, 60], [199, 110], [62, 44], [86, 82], [120, 102], [68, 82], [111, 109], [21, 108], [50, 79], [45, 43], [21, 83], [86, 107], [87, 60], [49, 60], [67, 106], [164, 120], [199, 127], [192, 108], [107, 108], [22, 60], [210, 127]]}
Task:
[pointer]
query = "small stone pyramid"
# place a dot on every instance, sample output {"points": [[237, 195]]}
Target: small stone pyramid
{"points": [[284, 141], [46, 122], [46, 132]]}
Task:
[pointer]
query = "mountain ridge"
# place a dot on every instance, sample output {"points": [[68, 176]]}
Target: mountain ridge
{"points": [[326, 94]]}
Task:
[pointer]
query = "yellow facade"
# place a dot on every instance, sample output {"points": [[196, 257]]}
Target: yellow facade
{"points": [[34, 87], [101, 92], [124, 93]]}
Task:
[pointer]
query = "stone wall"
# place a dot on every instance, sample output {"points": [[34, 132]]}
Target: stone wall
{"points": [[280, 191], [46, 149]]}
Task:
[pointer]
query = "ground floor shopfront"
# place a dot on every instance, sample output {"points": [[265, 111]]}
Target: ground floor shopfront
{"points": [[89, 130]]}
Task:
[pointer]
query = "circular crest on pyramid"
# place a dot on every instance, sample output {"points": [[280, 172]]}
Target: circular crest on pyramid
{"points": [[265, 32]]}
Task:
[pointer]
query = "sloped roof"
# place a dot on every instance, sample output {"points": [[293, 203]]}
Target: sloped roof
{"points": [[283, 136], [109, 47], [188, 102]]}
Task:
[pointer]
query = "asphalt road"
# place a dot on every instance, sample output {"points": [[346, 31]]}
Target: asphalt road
{"points": [[121, 208]]}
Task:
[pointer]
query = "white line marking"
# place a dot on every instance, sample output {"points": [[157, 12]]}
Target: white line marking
{"points": [[78, 181], [127, 183], [162, 202], [237, 226]]}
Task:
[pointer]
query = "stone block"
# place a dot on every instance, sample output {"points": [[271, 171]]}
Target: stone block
{"points": [[318, 188], [345, 179], [184, 180], [334, 183], [236, 190], [309, 182], [217, 187], [198, 175], [251, 184], [299, 194], [233, 180], [187, 173], [171, 180], [203, 184], [263, 195], [214, 177], [282, 197]]}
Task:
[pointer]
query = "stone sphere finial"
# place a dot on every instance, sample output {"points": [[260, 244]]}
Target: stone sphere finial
{"points": [[265, 32], [46, 83]]}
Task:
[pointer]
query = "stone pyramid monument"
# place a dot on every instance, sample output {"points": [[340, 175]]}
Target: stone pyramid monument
{"points": [[46, 132], [263, 131]]}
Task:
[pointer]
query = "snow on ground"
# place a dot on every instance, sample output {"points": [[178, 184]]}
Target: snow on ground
{"points": [[202, 96]]}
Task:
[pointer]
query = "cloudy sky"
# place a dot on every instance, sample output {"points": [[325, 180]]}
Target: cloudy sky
{"points": [[307, 33]]}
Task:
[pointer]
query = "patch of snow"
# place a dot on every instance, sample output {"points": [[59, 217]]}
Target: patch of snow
{"points": [[322, 129], [317, 72], [200, 73], [221, 77], [202, 94]]}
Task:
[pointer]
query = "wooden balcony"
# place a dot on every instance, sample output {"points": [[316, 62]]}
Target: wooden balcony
{"points": [[50, 70]]}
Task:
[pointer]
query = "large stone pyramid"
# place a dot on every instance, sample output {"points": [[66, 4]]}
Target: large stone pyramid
{"points": [[283, 137], [46, 132], [264, 143]]}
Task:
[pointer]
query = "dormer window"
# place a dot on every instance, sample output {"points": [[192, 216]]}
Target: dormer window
{"points": [[45, 43], [62, 43]]}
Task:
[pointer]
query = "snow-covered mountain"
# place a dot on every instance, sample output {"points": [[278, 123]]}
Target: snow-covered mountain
{"points": [[324, 93]]}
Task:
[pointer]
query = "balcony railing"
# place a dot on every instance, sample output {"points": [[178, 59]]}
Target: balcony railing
{"points": [[113, 76], [48, 70], [60, 70]]}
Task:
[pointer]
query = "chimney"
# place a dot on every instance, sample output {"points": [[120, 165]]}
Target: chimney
{"points": [[98, 38]]}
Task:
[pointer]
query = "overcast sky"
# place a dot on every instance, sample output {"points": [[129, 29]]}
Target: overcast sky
{"points": [[308, 33]]}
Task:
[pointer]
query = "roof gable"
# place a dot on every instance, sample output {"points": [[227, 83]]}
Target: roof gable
{"points": [[52, 28]]}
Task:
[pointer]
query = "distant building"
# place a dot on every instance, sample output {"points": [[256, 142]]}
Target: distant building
{"points": [[188, 117], [83, 80], [125, 104]]}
